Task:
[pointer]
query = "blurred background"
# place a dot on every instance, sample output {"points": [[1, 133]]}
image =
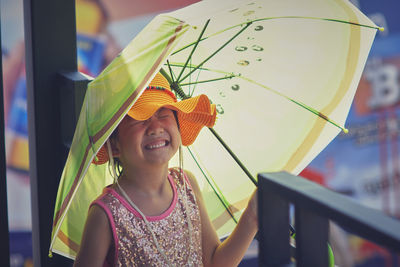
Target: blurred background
{"points": [[363, 164]]}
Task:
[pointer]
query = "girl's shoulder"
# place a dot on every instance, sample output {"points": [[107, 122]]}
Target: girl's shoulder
{"points": [[106, 198]]}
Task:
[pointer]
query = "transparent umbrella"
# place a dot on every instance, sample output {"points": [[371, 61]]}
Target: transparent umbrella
{"points": [[282, 74]]}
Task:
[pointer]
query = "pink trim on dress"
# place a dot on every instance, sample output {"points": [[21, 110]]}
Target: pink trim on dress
{"points": [[111, 220], [149, 218]]}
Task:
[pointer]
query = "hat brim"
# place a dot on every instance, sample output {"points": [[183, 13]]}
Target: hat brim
{"points": [[193, 113]]}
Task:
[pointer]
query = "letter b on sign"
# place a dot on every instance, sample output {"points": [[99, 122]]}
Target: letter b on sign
{"points": [[385, 86]]}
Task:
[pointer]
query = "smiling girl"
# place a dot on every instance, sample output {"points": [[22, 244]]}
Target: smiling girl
{"points": [[154, 215]]}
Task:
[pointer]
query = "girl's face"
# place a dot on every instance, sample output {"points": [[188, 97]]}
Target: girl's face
{"points": [[150, 142]]}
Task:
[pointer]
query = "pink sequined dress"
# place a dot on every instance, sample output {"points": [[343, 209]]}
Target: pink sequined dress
{"points": [[133, 244]]}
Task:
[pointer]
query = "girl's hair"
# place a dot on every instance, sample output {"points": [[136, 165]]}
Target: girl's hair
{"points": [[117, 163], [176, 119]]}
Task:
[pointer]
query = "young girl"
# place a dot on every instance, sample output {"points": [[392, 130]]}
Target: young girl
{"points": [[153, 215]]}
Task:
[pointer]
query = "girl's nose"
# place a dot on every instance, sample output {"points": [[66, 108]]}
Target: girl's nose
{"points": [[154, 126]]}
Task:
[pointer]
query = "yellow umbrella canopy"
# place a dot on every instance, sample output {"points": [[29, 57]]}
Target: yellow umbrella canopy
{"points": [[282, 74]]}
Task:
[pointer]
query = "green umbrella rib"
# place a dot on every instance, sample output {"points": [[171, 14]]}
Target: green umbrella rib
{"points": [[176, 84], [227, 148], [215, 52], [191, 53], [214, 187], [274, 18], [231, 75], [233, 155], [206, 81], [171, 80], [314, 111]]}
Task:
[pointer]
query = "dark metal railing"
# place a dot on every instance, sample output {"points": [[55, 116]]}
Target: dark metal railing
{"points": [[4, 236], [50, 48], [314, 207], [72, 89]]}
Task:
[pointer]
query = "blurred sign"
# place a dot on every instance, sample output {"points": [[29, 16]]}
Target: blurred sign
{"points": [[365, 163]]}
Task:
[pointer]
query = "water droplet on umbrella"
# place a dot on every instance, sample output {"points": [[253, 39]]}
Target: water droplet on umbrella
{"points": [[252, 3], [249, 13], [240, 48], [233, 10], [219, 108], [258, 59], [257, 48], [222, 94], [258, 28], [250, 38], [235, 87], [243, 63]]}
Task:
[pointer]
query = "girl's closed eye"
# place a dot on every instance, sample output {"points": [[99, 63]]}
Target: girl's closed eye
{"points": [[134, 122], [164, 113]]}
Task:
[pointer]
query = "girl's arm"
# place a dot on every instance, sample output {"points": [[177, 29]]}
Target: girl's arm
{"points": [[231, 251], [96, 239]]}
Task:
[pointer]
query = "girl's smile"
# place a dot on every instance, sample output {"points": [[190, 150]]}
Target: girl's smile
{"points": [[157, 144]]}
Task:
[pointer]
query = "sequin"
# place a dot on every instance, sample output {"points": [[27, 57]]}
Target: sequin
{"points": [[135, 246]]}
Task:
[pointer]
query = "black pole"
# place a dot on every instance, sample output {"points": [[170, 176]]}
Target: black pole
{"points": [[273, 233], [4, 234], [311, 238], [50, 37]]}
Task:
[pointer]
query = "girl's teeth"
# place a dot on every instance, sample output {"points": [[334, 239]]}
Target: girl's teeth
{"points": [[157, 145]]}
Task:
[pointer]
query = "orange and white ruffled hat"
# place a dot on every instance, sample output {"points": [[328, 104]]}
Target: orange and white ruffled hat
{"points": [[193, 113]]}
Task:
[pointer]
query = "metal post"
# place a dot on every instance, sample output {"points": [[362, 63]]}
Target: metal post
{"points": [[73, 87], [4, 234], [311, 238], [273, 213], [50, 37]]}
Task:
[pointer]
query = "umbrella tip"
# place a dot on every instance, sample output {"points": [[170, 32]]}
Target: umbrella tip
{"points": [[345, 130], [50, 254], [381, 29]]}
